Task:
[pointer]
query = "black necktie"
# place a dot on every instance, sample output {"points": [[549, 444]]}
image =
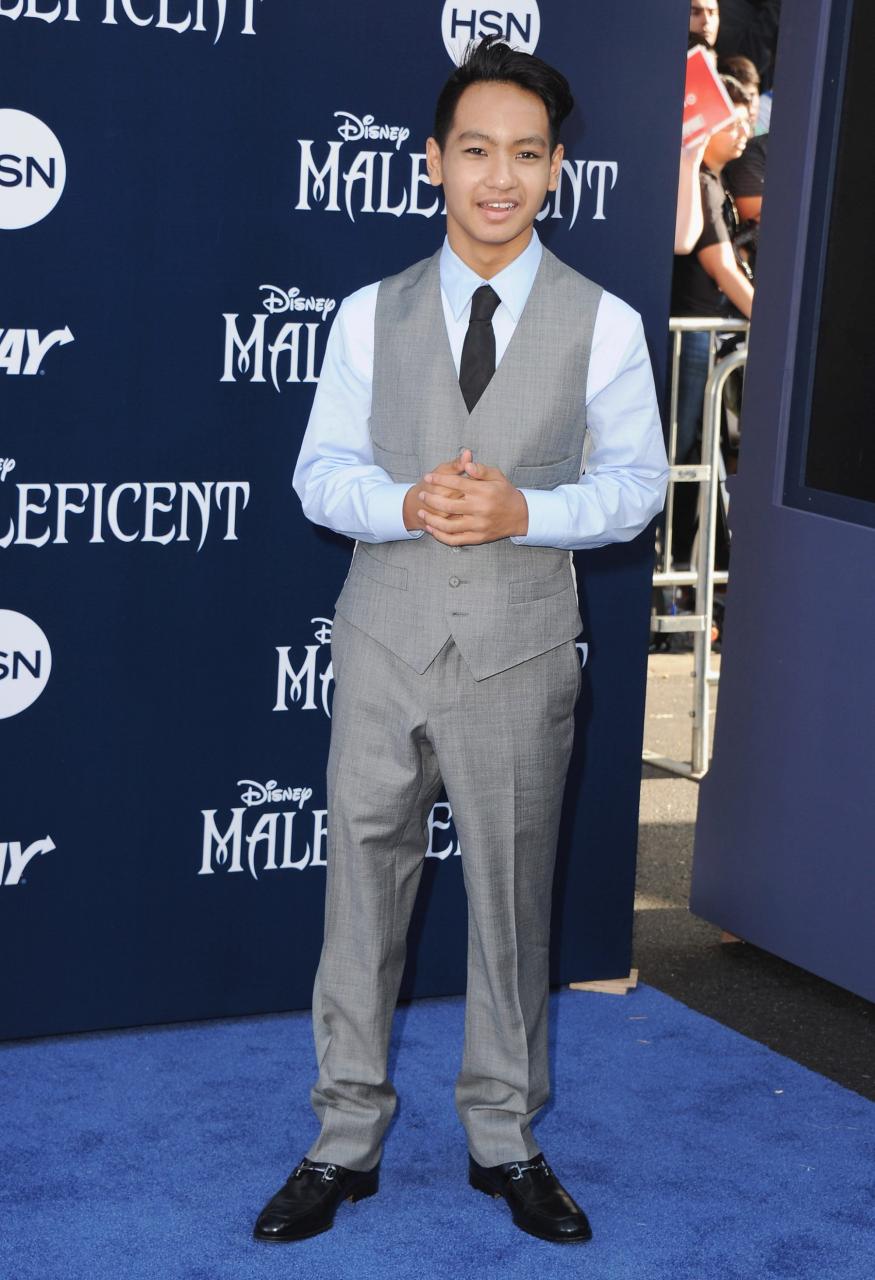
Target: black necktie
{"points": [[478, 353]]}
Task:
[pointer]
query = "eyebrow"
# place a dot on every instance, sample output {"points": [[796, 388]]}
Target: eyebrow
{"points": [[475, 135]]}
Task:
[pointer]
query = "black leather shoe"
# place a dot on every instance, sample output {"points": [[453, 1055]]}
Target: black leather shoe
{"points": [[306, 1205], [538, 1202]]}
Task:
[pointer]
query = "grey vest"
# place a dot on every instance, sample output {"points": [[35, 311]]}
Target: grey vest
{"points": [[501, 602]]}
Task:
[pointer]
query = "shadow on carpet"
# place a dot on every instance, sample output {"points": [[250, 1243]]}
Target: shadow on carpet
{"points": [[696, 1153]]}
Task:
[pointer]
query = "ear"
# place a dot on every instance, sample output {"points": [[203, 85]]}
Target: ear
{"points": [[556, 166], [434, 162]]}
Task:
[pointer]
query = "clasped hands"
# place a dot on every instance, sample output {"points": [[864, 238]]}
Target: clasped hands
{"points": [[480, 505]]}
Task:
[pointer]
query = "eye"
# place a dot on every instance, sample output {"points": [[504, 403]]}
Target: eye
{"points": [[529, 155], [472, 151]]}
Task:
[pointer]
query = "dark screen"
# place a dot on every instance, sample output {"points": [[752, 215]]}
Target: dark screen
{"points": [[841, 441]]}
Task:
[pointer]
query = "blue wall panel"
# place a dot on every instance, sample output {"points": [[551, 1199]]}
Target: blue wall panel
{"points": [[188, 273], [784, 838]]}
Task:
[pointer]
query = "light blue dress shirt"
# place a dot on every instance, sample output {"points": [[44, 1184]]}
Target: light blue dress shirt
{"points": [[623, 481]]}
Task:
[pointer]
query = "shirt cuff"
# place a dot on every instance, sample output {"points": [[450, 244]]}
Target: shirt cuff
{"points": [[542, 530], [385, 513]]}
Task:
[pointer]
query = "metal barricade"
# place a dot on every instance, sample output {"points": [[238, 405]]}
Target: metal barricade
{"points": [[710, 476]]}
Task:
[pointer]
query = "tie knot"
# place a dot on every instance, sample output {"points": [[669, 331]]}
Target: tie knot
{"points": [[484, 303]]}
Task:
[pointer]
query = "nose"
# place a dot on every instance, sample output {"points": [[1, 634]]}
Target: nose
{"points": [[500, 174]]}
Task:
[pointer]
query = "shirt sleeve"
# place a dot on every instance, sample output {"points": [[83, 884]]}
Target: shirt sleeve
{"points": [[715, 230], [336, 478], [623, 484]]}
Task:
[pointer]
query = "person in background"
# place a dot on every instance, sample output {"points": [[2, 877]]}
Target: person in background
{"points": [[746, 176], [705, 20], [745, 72], [697, 41], [750, 27], [710, 281]]}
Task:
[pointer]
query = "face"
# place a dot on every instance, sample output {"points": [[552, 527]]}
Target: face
{"points": [[496, 168], [727, 144], [705, 19]]}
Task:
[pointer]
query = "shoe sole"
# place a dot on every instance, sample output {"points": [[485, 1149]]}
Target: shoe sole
{"points": [[480, 1184], [362, 1192]]}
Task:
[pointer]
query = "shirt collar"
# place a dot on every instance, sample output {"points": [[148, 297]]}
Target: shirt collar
{"points": [[513, 284]]}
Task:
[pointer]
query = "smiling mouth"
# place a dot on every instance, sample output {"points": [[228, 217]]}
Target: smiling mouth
{"points": [[500, 205]]}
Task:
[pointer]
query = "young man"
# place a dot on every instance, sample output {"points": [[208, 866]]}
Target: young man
{"points": [[447, 437], [705, 20]]}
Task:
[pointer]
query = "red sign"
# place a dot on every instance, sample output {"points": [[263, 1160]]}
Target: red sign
{"points": [[707, 105]]}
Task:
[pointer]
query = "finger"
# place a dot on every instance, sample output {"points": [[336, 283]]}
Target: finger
{"points": [[478, 471], [470, 485], [446, 524], [456, 539], [451, 521], [455, 466], [437, 502], [442, 490], [445, 470]]}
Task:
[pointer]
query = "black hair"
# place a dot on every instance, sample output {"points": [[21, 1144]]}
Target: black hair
{"points": [[493, 61], [741, 69]]}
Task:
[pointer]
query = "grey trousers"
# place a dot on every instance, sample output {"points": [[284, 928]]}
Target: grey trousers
{"points": [[501, 746]]}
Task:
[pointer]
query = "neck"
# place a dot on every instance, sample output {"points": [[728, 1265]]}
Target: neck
{"points": [[486, 259], [716, 166]]}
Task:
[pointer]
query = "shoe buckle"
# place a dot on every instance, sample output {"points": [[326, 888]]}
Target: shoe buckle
{"points": [[518, 1171], [328, 1171]]}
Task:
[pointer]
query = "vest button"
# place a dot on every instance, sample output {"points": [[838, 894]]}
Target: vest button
{"points": [[454, 582], [456, 550]]}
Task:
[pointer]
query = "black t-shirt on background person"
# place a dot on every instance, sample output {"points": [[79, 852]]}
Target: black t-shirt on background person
{"points": [[694, 292], [746, 176]]}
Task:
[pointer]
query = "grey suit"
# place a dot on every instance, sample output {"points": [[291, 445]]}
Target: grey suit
{"points": [[454, 665]]}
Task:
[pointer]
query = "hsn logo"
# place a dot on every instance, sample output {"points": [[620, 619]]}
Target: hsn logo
{"points": [[32, 170], [518, 23], [25, 662]]}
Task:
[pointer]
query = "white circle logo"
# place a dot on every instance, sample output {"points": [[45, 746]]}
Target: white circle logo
{"points": [[32, 169], [518, 24], [25, 662]]}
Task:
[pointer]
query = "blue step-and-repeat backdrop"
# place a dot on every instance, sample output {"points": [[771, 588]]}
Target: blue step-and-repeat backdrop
{"points": [[187, 190]]}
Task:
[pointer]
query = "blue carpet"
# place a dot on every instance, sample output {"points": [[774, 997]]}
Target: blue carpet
{"points": [[696, 1152]]}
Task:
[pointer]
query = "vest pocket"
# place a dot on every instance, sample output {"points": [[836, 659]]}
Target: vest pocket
{"points": [[566, 471], [400, 465], [540, 588], [390, 575]]}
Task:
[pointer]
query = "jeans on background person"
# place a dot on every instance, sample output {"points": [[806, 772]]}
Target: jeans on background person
{"points": [[692, 379]]}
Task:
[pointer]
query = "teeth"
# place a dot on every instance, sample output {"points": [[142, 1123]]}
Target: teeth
{"points": [[496, 204]]}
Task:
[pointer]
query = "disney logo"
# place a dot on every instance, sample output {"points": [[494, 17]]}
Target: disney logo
{"points": [[278, 299], [6, 465], [351, 129], [256, 793], [323, 631]]}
